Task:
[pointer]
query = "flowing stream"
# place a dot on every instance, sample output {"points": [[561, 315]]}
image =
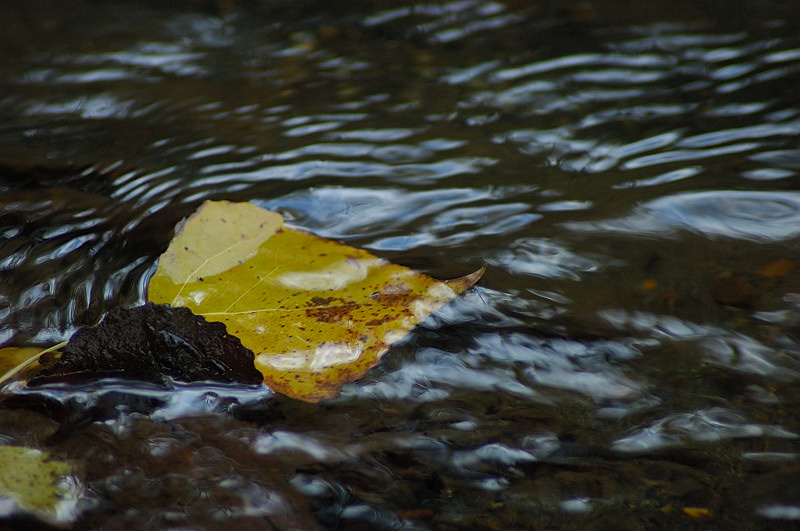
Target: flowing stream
{"points": [[629, 172]]}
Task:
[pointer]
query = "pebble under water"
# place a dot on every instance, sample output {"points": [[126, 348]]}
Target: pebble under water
{"points": [[630, 359]]}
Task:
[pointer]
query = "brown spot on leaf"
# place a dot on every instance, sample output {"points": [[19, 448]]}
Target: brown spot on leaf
{"points": [[323, 301], [403, 300], [331, 314], [378, 322]]}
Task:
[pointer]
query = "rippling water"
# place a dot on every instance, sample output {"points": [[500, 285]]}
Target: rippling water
{"points": [[629, 173]]}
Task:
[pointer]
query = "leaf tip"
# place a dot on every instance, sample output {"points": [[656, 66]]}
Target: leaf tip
{"points": [[462, 284]]}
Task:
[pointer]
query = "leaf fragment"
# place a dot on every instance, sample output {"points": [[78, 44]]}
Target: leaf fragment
{"points": [[697, 512], [37, 483], [316, 313]]}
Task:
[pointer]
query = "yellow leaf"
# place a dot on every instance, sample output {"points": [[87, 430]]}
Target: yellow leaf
{"points": [[316, 313], [35, 482]]}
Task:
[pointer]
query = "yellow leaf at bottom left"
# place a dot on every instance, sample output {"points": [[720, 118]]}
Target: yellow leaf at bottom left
{"points": [[38, 484]]}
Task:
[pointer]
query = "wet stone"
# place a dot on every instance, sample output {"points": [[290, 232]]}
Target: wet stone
{"points": [[155, 343]]}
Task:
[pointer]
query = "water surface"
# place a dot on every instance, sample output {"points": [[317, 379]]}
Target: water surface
{"points": [[629, 173]]}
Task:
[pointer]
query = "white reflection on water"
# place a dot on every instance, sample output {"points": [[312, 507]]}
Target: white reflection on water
{"points": [[779, 511], [544, 258], [702, 426], [284, 441], [497, 453]]}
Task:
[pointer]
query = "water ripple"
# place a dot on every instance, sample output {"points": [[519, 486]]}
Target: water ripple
{"points": [[369, 211], [620, 75], [749, 215], [544, 258], [519, 365], [741, 133], [715, 344], [67, 261]]}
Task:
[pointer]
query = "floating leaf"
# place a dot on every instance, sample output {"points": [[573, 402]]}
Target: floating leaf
{"points": [[37, 483], [316, 313]]}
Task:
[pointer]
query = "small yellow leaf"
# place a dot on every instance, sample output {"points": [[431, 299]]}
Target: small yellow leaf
{"points": [[33, 480], [316, 313], [697, 512]]}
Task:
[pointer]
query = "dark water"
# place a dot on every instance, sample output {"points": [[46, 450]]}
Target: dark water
{"points": [[629, 173]]}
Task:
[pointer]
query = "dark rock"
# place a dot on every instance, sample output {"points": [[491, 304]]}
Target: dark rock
{"points": [[155, 343]]}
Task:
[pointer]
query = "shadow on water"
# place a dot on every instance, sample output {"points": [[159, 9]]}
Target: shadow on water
{"points": [[629, 173]]}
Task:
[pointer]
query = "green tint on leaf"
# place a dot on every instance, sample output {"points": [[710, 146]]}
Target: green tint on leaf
{"points": [[316, 313]]}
